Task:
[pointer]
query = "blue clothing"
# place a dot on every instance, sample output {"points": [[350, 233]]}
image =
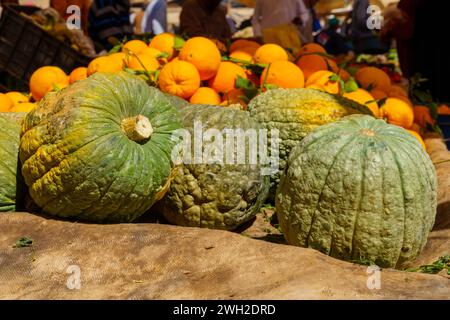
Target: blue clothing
{"points": [[155, 17]]}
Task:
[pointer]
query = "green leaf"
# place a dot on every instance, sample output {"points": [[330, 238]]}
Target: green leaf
{"points": [[23, 242], [350, 86], [269, 86], [56, 87], [162, 55], [242, 83], [178, 43], [334, 77], [116, 48], [381, 102]]}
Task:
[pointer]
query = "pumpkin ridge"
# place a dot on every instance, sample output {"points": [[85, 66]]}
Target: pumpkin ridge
{"points": [[424, 183], [67, 158], [394, 156], [350, 140]]}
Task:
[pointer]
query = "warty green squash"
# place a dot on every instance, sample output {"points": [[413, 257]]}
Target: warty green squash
{"points": [[359, 189], [99, 150], [216, 195], [295, 113]]}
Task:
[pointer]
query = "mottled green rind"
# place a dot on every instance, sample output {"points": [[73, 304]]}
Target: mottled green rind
{"points": [[77, 161], [218, 196], [9, 155], [296, 112], [358, 197]]}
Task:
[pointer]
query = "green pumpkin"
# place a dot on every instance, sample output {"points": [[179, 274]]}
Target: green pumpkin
{"points": [[296, 112], [215, 195], [9, 156], [359, 190], [99, 150]]}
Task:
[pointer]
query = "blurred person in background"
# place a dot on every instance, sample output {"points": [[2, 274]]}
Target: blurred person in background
{"points": [[155, 17], [109, 19], [311, 24], [278, 21], [332, 40], [364, 39], [62, 5], [204, 18]]}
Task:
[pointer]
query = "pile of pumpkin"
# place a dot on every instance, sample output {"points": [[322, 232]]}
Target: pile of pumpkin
{"points": [[102, 149]]}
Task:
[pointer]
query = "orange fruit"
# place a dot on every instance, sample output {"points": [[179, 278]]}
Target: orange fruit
{"points": [[241, 55], [415, 127], [422, 116], [378, 94], [135, 46], [23, 107], [283, 74], [312, 48], [164, 42], [46, 79], [143, 62], [203, 54], [220, 45], [244, 44], [234, 96], [225, 79], [179, 78], [17, 97], [343, 74], [205, 95], [77, 74], [105, 64], [363, 97], [312, 63], [396, 90], [152, 52], [321, 80], [119, 57], [269, 53], [444, 110], [6, 103], [418, 137], [397, 112], [373, 77]]}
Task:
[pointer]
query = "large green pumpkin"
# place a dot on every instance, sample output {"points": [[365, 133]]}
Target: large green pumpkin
{"points": [[9, 156], [360, 190], [296, 112], [99, 150], [215, 195]]}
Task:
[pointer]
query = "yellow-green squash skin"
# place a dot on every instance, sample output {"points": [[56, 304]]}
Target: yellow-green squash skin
{"points": [[359, 190], [82, 160], [296, 112]]}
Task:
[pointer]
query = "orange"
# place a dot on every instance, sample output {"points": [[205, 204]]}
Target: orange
{"points": [[343, 74], [312, 63], [119, 57], [397, 112], [321, 80], [78, 74], [396, 90], [23, 107], [105, 64], [418, 137], [283, 74], [46, 79], [6, 103], [220, 45], [415, 127], [152, 52], [363, 97], [241, 55], [234, 96], [143, 62], [378, 94], [179, 78], [225, 79], [312, 48], [17, 97], [269, 53], [164, 42], [205, 95], [422, 116], [244, 44], [203, 54], [373, 77], [444, 110], [135, 46]]}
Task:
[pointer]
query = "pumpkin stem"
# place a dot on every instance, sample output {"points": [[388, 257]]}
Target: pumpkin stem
{"points": [[137, 128], [368, 132]]}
